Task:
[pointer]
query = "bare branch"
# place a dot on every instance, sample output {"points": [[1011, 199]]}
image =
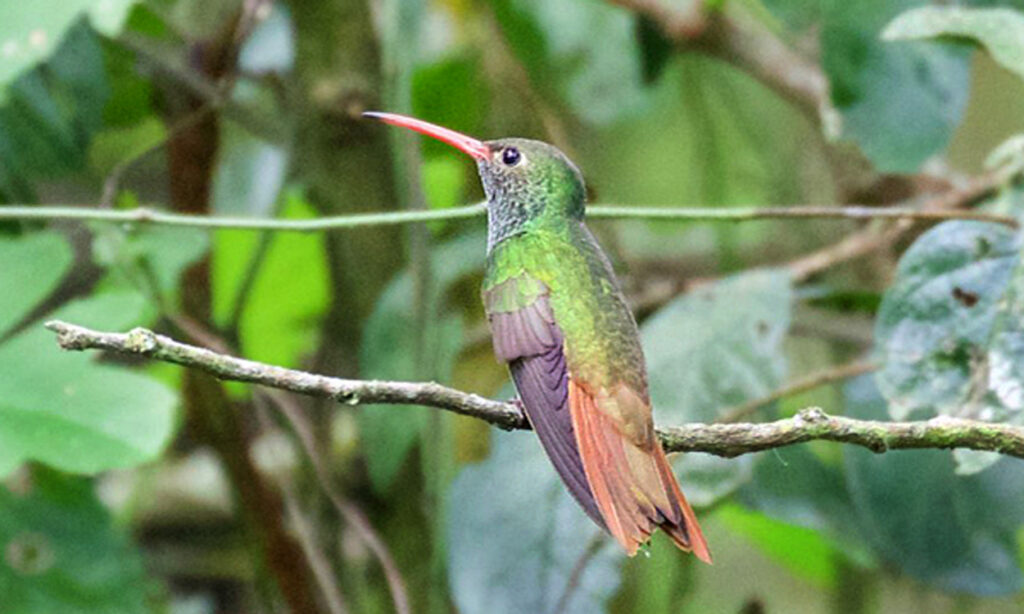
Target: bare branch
{"points": [[870, 240], [720, 439]]}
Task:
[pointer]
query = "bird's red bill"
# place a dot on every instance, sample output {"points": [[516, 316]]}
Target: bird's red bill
{"points": [[460, 141]]}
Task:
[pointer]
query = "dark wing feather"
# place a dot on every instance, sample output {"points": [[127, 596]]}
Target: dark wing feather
{"points": [[529, 340]]}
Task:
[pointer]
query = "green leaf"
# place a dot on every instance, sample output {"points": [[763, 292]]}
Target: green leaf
{"points": [[950, 330], [803, 551], [907, 509], [515, 536], [67, 410], [62, 408], [61, 552], [999, 30], [388, 353], [583, 53], [803, 500], [448, 93], [957, 533], [291, 292], [899, 103], [29, 31], [795, 14], [713, 348], [48, 115], [33, 264]]}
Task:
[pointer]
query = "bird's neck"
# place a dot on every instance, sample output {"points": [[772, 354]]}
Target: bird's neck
{"points": [[503, 221], [507, 218]]}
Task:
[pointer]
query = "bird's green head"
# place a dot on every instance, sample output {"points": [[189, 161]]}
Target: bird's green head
{"points": [[528, 183]]}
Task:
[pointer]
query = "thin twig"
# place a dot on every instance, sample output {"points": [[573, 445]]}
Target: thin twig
{"points": [[872, 239], [305, 532], [113, 181], [726, 440], [245, 287], [146, 215], [352, 515], [349, 513], [803, 384], [589, 552]]}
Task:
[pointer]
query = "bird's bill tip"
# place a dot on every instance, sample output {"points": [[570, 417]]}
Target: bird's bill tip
{"points": [[462, 142]]}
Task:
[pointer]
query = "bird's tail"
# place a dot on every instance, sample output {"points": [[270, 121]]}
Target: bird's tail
{"points": [[631, 481], [686, 532]]}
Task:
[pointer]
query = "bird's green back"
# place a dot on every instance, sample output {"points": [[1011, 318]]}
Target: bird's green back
{"points": [[601, 339]]}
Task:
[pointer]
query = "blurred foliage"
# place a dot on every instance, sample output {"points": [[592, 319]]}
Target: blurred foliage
{"points": [[91, 92], [1000, 31], [72, 414], [62, 552]]}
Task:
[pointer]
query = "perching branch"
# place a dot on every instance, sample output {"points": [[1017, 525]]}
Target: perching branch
{"points": [[727, 440], [145, 215]]}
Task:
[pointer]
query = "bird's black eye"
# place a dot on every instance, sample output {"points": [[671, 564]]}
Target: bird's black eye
{"points": [[510, 156]]}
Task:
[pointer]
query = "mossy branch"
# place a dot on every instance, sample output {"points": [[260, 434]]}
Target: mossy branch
{"points": [[727, 440]]}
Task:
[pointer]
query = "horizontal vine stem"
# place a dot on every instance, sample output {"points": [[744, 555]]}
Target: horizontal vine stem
{"points": [[720, 439], [146, 215]]}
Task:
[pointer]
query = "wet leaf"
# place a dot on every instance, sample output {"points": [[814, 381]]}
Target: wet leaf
{"points": [[950, 332]]}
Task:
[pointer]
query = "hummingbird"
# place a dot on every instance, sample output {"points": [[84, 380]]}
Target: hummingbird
{"points": [[560, 322]]}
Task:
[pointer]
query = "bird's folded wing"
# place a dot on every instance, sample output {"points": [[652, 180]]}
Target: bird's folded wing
{"points": [[528, 339]]}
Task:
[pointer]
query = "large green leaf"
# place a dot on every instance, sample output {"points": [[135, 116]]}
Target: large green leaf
{"points": [[388, 352], [899, 102], [32, 264], [48, 115], [66, 409], [29, 31], [281, 316], [955, 532], [61, 553], [1000, 31], [515, 536], [713, 348], [949, 329], [583, 53], [70, 412], [907, 509], [803, 505]]}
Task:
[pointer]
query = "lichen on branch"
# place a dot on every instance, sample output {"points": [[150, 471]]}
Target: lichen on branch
{"points": [[728, 440]]}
